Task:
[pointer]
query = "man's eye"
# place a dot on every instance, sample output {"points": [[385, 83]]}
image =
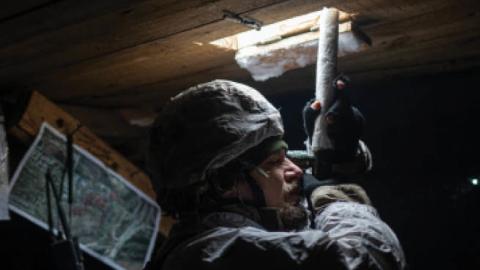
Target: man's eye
{"points": [[272, 162], [276, 161]]}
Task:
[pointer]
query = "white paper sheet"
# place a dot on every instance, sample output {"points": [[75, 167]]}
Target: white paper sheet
{"points": [[3, 171], [113, 220]]}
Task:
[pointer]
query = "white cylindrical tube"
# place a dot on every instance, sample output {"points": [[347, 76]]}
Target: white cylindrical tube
{"points": [[326, 71]]}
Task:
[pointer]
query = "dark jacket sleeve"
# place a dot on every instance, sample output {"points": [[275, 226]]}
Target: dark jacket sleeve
{"points": [[353, 239]]}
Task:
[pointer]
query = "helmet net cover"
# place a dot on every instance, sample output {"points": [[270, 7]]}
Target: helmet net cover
{"points": [[204, 128]]}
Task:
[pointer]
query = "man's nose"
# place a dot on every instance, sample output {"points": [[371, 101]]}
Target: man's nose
{"points": [[293, 172]]}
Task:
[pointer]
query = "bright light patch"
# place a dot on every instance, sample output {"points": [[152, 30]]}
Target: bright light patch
{"points": [[474, 181], [275, 31], [289, 44]]}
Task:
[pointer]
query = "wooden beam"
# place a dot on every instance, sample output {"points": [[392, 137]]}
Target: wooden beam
{"points": [[40, 110], [118, 127], [105, 123], [153, 96]]}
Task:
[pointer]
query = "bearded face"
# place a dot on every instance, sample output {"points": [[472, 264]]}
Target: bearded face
{"points": [[280, 180]]}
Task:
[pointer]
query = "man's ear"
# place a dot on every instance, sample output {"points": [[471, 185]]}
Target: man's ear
{"points": [[233, 191], [239, 190]]}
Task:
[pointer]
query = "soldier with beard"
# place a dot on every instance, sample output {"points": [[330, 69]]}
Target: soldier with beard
{"points": [[218, 164]]}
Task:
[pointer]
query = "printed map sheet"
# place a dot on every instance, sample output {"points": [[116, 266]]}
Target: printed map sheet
{"points": [[113, 220]]}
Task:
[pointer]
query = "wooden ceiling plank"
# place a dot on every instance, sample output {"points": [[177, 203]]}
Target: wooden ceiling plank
{"points": [[442, 29], [165, 58], [57, 15], [449, 35], [107, 34], [13, 9], [105, 123], [384, 10], [428, 52], [101, 35], [451, 14], [153, 95]]}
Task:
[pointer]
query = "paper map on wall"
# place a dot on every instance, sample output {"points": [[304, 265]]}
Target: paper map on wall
{"points": [[113, 220], [3, 170]]}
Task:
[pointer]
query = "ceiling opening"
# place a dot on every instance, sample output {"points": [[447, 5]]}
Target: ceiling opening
{"points": [[275, 32], [289, 44]]}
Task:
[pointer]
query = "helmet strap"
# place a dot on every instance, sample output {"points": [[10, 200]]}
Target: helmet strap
{"points": [[258, 196]]}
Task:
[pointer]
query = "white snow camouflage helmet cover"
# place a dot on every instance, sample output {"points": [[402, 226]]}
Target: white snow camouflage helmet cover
{"points": [[204, 128]]}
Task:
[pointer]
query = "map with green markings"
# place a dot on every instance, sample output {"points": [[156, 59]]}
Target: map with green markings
{"points": [[113, 220]]}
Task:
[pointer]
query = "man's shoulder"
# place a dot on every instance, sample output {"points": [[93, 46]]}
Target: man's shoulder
{"points": [[229, 220]]}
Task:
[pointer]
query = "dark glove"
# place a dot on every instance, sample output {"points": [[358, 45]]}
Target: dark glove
{"points": [[344, 123], [309, 116]]}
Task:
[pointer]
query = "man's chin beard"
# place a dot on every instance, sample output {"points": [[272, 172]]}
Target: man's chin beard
{"points": [[294, 217]]}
